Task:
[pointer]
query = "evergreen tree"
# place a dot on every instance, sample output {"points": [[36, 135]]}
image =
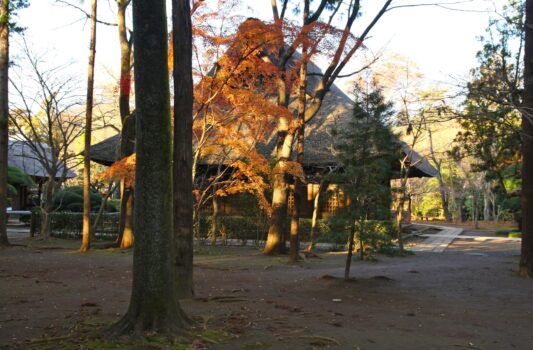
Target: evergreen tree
{"points": [[366, 150]]}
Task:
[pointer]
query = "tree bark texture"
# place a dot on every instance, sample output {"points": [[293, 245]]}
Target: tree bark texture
{"points": [[127, 147], [4, 117], [299, 189], [526, 258], [127, 135], [316, 209], [183, 100], [47, 206], [153, 303], [86, 230]]}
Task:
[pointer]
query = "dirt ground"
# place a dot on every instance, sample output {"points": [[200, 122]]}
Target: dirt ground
{"points": [[465, 298]]}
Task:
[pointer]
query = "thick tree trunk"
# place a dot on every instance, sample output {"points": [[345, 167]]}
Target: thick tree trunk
{"points": [[280, 186], [279, 214], [47, 206], [86, 230], [295, 222], [526, 258], [127, 146], [299, 188], [314, 219], [4, 117], [126, 220], [127, 135], [153, 307], [183, 99]]}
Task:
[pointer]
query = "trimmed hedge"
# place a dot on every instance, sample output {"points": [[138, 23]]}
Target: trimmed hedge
{"points": [[378, 233], [69, 225]]}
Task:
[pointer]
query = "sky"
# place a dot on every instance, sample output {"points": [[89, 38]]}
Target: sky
{"points": [[441, 41]]}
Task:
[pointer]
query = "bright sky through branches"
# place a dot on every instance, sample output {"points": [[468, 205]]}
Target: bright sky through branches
{"points": [[440, 40]]}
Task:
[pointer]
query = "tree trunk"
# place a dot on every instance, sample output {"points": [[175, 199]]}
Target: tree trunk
{"points": [[486, 203], [153, 307], [274, 243], [444, 199], [183, 99], [526, 258], [350, 253], [47, 206], [127, 147], [103, 204], [86, 230], [4, 117], [399, 216], [126, 231], [127, 135], [316, 209], [475, 209], [295, 222], [399, 226], [214, 221], [279, 214]]}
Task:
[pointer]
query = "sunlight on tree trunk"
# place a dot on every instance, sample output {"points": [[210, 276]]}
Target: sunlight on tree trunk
{"points": [[316, 209], [86, 230], [127, 135]]}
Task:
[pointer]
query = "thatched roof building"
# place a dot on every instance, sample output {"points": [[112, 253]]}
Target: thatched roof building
{"points": [[22, 155], [335, 112]]}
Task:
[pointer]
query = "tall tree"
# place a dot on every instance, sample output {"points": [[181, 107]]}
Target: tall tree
{"points": [[344, 45], [526, 258], [366, 148], [86, 230], [6, 10], [153, 303], [127, 135], [182, 166], [4, 116]]}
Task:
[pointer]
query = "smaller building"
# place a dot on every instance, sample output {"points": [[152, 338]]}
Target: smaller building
{"points": [[34, 162]]}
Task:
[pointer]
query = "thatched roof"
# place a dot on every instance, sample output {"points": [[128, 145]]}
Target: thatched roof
{"points": [[106, 151], [335, 112], [22, 155]]}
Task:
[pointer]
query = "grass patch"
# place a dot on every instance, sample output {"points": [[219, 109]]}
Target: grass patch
{"points": [[509, 233], [504, 233], [515, 234]]}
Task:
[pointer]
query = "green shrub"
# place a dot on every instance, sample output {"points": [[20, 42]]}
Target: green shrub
{"points": [[71, 199], [502, 232], [515, 234]]}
